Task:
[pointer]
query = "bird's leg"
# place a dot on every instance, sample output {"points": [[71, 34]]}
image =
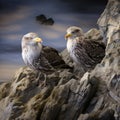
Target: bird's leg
{"points": [[45, 79], [75, 67], [38, 77], [79, 70], [42, 79]]}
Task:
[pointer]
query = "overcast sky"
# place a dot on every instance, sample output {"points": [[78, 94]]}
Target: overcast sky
{"points": [[84, 6], [17, 17]]}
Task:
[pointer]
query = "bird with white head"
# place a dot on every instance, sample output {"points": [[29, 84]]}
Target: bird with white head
{"points": [[85, 53], [32, 53]]}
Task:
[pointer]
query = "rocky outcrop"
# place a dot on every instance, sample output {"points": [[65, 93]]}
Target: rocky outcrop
{"points": [[63, 95], [109, 22]]}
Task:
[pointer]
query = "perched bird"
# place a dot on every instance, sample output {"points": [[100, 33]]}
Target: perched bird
{"points": [[40, 57], [85, 53], [32, 53]]}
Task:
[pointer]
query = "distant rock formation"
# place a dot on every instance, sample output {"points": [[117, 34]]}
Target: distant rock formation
{"points": [[63, 95], [43, 20]]}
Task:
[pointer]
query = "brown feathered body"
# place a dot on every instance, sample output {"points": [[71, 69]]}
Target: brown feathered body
{"points": [[85, 53], [54, 58]]}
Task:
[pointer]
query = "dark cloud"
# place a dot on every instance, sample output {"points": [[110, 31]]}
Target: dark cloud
{"points": [[85, 6], [11, 5]]}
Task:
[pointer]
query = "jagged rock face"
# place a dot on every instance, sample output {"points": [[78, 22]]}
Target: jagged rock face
{"points": [[63, 95], [109, 70], [37, 96], [109, 22]]}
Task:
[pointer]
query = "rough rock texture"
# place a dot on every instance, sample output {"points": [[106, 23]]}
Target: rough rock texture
{"points": [[109, 22], [63, 95]]}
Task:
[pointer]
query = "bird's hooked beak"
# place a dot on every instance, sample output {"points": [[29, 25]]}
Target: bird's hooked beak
{"points": [[67, 36], [37, 39]]}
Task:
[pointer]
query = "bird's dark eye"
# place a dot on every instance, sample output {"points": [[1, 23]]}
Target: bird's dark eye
{"points": [[28, 38], [75, 31], [72, 32]]}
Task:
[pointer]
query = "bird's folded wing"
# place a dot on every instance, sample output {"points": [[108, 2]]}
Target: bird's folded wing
{"points": [[95, 50], [42, 63], [54, 58], [82, 56]]}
